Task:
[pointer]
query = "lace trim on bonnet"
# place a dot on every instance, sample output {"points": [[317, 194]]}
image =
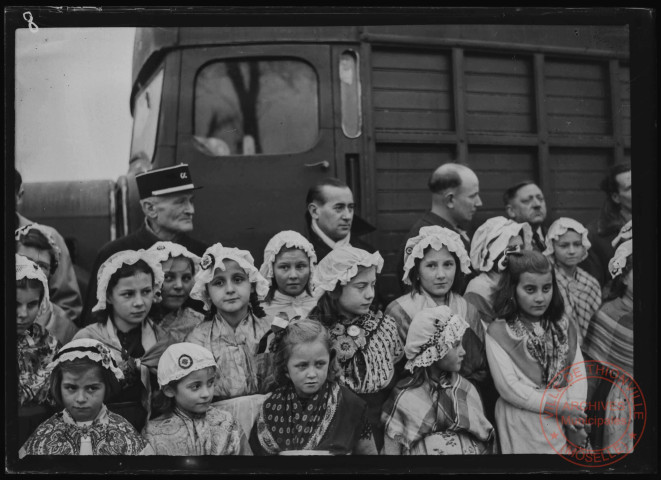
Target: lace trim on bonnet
{"points": [[492, 238], [341, 265], [437, 237], [213, 258], [115, 262], [561, 226], [162, 251], [286, 239], [431, 335]]}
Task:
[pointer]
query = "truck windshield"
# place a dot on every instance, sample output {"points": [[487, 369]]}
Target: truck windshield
{"points": [[256, 106]]}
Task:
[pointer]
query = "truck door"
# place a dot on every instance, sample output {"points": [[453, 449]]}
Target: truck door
{"points": [[256, 127]]}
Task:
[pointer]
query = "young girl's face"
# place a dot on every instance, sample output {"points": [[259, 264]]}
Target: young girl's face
{"points": [[533, 294], [83, 393], [27, 307], [291, 271], [178, 282], [307, 367], [229, 290], [357, 295], [437, 270], [194, 392], [451, 362], [568, 249], [131, 300]]}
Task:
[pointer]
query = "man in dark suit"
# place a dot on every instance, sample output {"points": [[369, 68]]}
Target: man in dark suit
{"points": [[166, 198], [455, 195], [524, 202], [331, 219]]}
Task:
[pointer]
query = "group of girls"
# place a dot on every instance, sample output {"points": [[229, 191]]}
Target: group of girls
{"points": [[213, 356]]}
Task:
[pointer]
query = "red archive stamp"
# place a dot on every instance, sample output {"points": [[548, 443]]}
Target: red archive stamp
{"points": [[619, 417]]}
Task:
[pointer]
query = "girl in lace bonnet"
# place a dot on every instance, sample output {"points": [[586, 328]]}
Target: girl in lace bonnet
{"points": [[434, 355], [289, 261], [367, 342], [83, 376]]}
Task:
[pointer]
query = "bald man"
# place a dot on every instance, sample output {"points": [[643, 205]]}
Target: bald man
{"points": [[455, 196]]}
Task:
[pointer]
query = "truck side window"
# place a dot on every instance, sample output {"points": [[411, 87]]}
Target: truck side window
{"points": [[256, 106], [145, 118], [350, 94]]}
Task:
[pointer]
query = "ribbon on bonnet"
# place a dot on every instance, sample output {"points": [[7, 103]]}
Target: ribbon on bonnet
{"points": [[87, 348]]}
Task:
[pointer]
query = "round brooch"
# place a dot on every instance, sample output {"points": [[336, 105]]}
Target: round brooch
{"points": [[353, 331], [409, 250], [185, 361], [207, 261]]}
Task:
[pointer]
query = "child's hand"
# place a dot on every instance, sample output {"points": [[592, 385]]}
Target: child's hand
{"points": [[577, 437]]}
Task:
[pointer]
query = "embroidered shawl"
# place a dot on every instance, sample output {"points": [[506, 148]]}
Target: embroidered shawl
{"points": [[212, 433], [541, 359], [36, 349], [368, 359], [110, 434]]}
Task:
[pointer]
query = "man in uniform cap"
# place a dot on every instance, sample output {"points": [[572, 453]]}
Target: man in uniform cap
{"points": [[166, 198]]}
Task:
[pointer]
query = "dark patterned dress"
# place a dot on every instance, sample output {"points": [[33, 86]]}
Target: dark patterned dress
{"points": [[333, 421]]}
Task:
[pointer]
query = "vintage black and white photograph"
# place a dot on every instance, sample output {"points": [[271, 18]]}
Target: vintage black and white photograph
{"points": [[372, 232]]}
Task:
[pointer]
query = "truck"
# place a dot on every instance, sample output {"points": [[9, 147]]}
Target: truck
{"points": [[262, 113]]}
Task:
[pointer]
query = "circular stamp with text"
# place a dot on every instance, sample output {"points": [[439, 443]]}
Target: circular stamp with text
{"points": [[615, 417]]}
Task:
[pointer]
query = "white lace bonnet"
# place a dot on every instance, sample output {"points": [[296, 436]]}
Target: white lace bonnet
{"points": [[115, 262], [491, 239], [559, 228], [432, 334], [213, 258], [286, 239], [162, 251], [24, 230], [26, 268], [87, 348], [435, 237], [341, 265]]}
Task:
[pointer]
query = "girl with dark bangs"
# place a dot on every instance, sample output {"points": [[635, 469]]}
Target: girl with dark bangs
{"points": [[528, 347], [126, 285]]}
